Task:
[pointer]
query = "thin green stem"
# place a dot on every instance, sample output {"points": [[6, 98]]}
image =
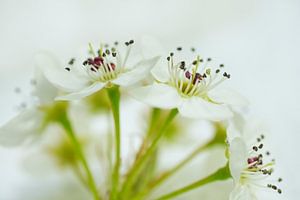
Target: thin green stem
{"points": [[221, 174], [218, 139], [136, 168], [66, 124], [114, 96]]}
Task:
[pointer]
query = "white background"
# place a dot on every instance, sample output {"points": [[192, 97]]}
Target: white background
{"points": [[258, 40]]}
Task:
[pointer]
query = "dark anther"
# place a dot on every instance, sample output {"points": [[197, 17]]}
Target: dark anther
{"points": [[103, 55], [168, 58], [114, 54], [182, 65], [107, 51], [280, 179], [221, 65], [113, 49], [226, 75], [258, 139], [208, 59], [171, 54], [255, 148], [262, 137], [179, 48], [116, 43], [268, 153], [71, 62], [68, 69], [131, 41], [204, 75], [195, 62], [261, 146], [193, 49], [218, 70], [201, 60], [274, 187], [127, 43], [85, 62], [279, 191]]}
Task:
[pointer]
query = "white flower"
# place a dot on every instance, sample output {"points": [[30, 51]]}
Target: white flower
{"points": [[102, 69], [30, 121], [191, 87], [249, 165]]}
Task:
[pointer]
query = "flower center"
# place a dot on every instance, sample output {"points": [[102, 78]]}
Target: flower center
{"points": [[106, 64], [257, 166], [196, 78]]}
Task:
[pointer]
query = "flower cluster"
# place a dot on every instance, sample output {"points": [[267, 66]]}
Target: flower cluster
{"points": [[171, 85]]}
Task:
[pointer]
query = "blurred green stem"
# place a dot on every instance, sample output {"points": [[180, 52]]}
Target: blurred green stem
{"points": [[66, 124], [114, 96], [220, 174], [137, 166]]}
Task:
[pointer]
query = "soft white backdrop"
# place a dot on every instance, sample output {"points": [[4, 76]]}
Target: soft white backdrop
{"points": [[259, 41]]}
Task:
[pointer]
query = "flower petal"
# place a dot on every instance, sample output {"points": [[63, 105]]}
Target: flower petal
{"points": [[157, 95], [237, 158], [241, 192], [151, 48], [228, 96], [82, 93], [196, 107], [55, 72], [43, 89], [140, 71], [21, 128]]}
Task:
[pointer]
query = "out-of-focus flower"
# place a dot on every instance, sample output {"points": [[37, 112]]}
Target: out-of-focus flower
{"points": [[104, 68], [33, 117], [249, 165], [190, 87]]}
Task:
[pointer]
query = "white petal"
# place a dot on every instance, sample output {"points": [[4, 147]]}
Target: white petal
{"points": [[157, 95], [241, 192], [236, 126], [24, 126], [43, 89], [237, 157], [228, 96], [196, 107], [139, 72], [82, 93], [55, 72], [151, 48], [160, 71]]}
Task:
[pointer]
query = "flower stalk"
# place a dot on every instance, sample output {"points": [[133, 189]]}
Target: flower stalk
{"points": [[219, 175], [114, 96], [138, 165], [66, 124]]}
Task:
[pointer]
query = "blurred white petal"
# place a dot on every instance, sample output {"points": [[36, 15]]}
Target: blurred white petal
{"points": [[227, 96], [56, 73], [196, 107], [82, 93], [24, 126], [157, 95], [140, 71]]}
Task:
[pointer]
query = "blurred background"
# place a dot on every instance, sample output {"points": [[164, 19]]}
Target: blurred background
{"points": [[258, 41]]}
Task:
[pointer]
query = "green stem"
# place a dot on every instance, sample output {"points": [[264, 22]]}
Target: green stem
{"points": [[114, 96], [136, 168], [221, 174], [218, 139], [64, 121]]}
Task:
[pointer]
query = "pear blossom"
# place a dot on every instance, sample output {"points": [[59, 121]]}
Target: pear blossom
{"points": [[104, 68], [249, 164], [31, 119], [191, 87]]}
